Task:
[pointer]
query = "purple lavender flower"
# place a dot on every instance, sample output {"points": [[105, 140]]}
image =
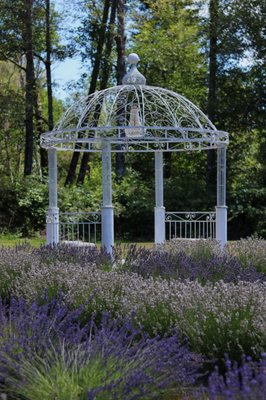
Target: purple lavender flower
{"points": [[133, 364], [84, 256], [245, 382], [179, 265], [155, 363]]}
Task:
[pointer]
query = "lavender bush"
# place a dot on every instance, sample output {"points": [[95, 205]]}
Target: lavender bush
{"points": [[13, 260], [75, 255], [216, 317], [245, 382], [46, 353], [204, 266], [250, 251], [196, 249], [192, 261], [227, 315]]}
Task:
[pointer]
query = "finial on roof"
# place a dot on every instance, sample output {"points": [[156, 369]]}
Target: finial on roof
{"points": [[133, 58], [133, 77]]}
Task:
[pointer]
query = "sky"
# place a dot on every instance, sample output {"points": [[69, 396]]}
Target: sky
{"points": [[71, 69], [63, 73]]}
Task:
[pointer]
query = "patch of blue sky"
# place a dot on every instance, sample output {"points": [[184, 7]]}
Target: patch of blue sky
{"points": [[67, 73]]}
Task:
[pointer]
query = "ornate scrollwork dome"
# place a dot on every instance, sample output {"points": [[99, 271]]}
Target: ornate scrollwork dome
{"points": [[134, 117]]}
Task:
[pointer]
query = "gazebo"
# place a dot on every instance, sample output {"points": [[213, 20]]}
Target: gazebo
{"points": [[135, 117]]}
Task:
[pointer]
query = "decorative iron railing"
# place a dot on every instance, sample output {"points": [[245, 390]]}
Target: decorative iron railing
{"points": [[190, 225], [80, 226]]}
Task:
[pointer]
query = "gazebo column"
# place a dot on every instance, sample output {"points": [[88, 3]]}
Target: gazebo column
{"points": [[159, 210], [221, 209], [107, 208], [52, 219]]}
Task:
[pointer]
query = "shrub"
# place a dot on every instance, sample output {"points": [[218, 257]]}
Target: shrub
{"points": [[244, 382], [250, 251], [191, 263], [46, 353], [215, 317], [74, 255], [196, 249]]}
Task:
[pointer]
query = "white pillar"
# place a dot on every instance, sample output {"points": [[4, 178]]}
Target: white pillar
{"points": [[107, 208], [159, 210], [221, 209], [52, 219]]}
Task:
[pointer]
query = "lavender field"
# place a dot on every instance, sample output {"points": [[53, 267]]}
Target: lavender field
{"points": [[184, 321]]}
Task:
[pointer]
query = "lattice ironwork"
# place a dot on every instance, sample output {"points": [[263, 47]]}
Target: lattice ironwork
{"points": [[80, 226], [190, 225], [134, 118]]}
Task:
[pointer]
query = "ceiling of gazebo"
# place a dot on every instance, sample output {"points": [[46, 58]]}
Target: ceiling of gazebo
{"points": [[134, 117]]}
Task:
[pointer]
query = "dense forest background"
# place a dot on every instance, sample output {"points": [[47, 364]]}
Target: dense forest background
{"points": [[212, 52]]}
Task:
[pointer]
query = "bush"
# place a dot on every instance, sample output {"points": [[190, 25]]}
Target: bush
{"points": [[45, 353], [185, 261], [216, 317], [24, 205], [242, 382], [250, 251]]}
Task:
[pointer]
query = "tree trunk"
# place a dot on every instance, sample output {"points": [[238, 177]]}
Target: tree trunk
{"points": [[40, 129], [106, 70], [121, 70], [93, 83], [211, 108], [168, 164], [8, 152], [48, 66], [28, 161]]}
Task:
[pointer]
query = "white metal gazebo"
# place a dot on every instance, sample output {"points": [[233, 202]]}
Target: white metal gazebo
{"points": [[135, 117]]}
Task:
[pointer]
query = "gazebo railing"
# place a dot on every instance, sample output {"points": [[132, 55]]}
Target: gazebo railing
{"points": [[80, 226], [190, 225]]}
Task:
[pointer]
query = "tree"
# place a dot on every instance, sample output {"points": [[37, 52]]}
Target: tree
{"points": [[48, 51], [23, 42], [212, 83], [12, 118], [120, 72], [101, 34], [104, 76], [27, 35], [239, 107], [167, 37]]}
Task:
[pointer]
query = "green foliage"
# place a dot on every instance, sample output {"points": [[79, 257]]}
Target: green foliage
{"points": [[250, 251], [156, 319], [23, 205], [134, 200], [234, 335], [168, 42], [13, 21], [241, 31], [62, 376]]}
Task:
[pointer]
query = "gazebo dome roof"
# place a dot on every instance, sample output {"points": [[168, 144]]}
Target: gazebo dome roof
{"points": [[134, 117]]}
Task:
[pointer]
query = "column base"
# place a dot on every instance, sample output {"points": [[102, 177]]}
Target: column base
{"points": [[52, 226], [108, 228], [159, 225], [221, 225]]}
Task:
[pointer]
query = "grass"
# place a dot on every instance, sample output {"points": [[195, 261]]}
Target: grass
{"points": [[13, 240]]}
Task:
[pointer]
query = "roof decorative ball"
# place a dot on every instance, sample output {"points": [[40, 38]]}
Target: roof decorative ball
{"points": [[133, 77], [133, 58]]}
